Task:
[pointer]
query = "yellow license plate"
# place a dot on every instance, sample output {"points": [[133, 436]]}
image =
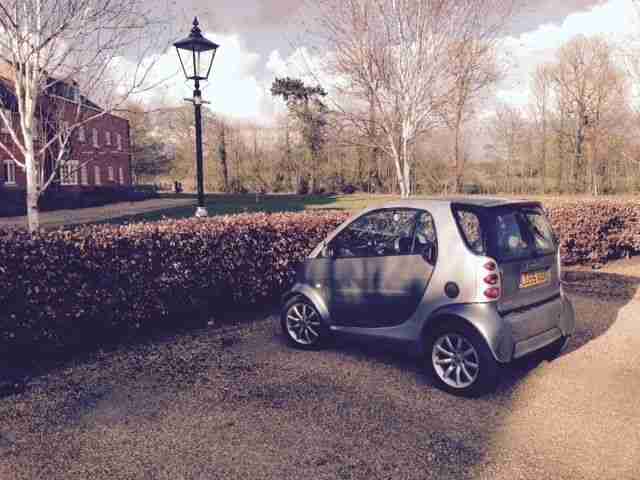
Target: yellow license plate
{"points": [[533, 279]]}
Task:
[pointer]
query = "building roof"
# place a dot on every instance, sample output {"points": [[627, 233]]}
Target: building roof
{"points": [[56, 87]]}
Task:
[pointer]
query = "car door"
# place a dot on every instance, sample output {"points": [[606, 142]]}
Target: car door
{"points": [[525, 246], [377, 269]]}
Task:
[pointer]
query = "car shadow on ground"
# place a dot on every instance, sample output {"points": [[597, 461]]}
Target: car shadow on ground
{"points": [[612, 290]]}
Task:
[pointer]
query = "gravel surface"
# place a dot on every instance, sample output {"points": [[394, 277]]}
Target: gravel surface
{"points": [[238, 403]]}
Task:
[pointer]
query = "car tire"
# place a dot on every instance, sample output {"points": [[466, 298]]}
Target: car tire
{"points": [[555, 349], [302, 324], [460, 362]]}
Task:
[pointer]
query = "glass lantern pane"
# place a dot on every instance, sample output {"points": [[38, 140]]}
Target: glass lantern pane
{"points": [[186, 60], [204, 62]]}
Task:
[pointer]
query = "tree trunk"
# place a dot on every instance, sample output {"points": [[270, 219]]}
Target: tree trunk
{"points": [[33, 191], [543, 162], [397, 160], [373, 151], [406, 168], [459, 160], [223, 158]]}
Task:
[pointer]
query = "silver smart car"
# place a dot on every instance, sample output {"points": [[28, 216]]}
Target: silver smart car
{"points": [[468, 284]]}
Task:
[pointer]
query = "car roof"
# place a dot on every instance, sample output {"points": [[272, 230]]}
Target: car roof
{"points": [[474, 201]]}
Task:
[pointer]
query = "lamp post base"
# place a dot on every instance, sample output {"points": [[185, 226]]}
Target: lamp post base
{"points": [[201, 212]]}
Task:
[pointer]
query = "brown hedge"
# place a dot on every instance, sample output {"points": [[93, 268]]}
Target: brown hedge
{"points": [[596, 231], [66, 288], [78, 287]]}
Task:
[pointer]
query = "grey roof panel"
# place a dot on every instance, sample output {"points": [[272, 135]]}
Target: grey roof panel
{"points": [[475, 201]]}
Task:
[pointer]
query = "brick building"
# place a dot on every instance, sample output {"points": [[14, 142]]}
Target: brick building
{"points": [[97, 153]]}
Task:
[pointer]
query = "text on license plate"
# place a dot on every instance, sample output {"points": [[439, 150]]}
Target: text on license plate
{"points": [[531, 279]]}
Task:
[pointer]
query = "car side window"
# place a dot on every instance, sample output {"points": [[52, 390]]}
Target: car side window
{"points": [[385, 232], [425, 239], [471, 230]]}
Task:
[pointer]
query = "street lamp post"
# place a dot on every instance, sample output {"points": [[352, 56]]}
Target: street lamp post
{"points": [[196, 54]]}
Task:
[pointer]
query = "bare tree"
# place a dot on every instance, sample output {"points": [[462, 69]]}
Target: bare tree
{"points": [[507, 130], [591, 89], [541, 92], [474, 70], [395, 55], [81, 46]]}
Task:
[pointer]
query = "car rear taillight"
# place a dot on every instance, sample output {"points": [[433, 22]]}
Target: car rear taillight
{"points": [[492, 293], [490, 265], [491, 285], [492, 279]]}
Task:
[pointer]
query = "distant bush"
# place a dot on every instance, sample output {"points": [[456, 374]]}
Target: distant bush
{"points": [[65, 288], [349, 189]]}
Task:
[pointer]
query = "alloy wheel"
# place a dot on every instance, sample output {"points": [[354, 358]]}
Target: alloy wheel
{"points": [[455, 360], [303, 324]]}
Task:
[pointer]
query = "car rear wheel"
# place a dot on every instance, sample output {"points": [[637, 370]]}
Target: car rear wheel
{"points": [[555, 349], [460, 361], [302, 324]]}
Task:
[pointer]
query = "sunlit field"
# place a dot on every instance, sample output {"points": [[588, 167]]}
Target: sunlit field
{"points": [[223, 204]]}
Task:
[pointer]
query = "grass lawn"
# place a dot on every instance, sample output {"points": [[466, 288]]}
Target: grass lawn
{"points": [[223, 204]]}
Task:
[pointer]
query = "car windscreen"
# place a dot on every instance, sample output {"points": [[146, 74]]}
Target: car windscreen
{"points": [[521, 232]]}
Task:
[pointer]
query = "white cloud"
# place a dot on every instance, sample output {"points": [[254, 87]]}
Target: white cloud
{"points": [[614, 20], [233, 87]]}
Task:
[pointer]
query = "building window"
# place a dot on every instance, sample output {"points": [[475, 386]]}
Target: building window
{"points": [[121, 175], [119, 141], [96, 175], [107, 137], [81, 135], [69, 172], [10, 172], [9, 116], [84, 175], [112, 177], [95, 137]]}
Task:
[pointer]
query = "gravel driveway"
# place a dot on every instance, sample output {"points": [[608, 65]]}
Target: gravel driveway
{"points": [[237, 403]]}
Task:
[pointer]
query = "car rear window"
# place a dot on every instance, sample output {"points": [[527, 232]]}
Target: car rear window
{"points": [[522, 232], [471, 229]]}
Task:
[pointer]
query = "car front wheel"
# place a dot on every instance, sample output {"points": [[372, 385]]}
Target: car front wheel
{"points": [[302, 324], [460, 361]]}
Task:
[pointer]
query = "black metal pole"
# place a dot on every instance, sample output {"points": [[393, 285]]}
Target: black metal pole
{"points": [[197, 101]]}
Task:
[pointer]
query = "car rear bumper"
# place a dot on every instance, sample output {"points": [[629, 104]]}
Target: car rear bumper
{"points": [[520, 332], [540, 325]]}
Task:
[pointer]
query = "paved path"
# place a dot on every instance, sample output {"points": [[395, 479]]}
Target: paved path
{"points": [[60, 218], [239, 404]]}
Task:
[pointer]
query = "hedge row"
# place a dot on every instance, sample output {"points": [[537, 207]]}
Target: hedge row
{"points": [[65, 288], [595, 231]]}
